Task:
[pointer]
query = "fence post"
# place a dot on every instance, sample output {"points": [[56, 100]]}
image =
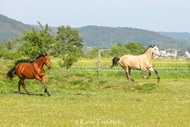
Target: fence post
{"points": [[99, 63]]}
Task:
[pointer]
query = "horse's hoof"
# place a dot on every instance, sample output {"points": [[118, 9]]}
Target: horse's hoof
{"points": [[145, 77], [48, 94], [45, 91], [158, 80]]}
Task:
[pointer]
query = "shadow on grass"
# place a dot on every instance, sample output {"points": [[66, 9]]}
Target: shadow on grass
{"points": [[30, 94]]}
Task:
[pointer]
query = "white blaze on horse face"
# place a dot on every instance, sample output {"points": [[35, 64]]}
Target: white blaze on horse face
{"points": [[156, 51]]}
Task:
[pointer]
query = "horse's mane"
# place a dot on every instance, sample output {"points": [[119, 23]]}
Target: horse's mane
{"points": [[150, 46], [43, 54], [28, 60], [22, 61]]}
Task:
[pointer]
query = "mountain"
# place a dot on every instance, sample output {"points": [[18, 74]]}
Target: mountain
{"points": [[177, 35], [10, 28], [105, 37]]}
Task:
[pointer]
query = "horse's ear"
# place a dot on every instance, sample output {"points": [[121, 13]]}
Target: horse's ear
{"points": [[152, 46], [46, 54]]}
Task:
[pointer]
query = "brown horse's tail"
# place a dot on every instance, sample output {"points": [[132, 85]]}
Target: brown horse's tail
{"points": [[11, 73], [114, 61]]}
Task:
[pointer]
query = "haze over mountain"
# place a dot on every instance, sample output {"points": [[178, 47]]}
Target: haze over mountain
{"points": [[185, 36], [106, 37]]}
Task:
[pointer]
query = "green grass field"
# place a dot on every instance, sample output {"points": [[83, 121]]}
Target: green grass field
{"points": [[83, 98]]}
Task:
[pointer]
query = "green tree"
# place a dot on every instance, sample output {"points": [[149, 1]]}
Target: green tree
{"points": [[93, 53], [10, 44], [105, 53], [119, 50], [8, 49], [5, 54], [69, 45], [135, 48], [34, 41]]}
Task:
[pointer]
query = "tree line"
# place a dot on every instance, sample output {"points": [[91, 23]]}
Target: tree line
{"points": [[65, 43]]}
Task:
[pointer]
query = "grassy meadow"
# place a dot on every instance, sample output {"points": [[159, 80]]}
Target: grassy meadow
{"points": [[81, 98]]}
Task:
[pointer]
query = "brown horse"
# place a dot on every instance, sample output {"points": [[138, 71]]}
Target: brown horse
{"points": [[140, 62], [31, 71]]}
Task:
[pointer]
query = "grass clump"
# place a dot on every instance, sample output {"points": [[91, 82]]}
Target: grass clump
{"points": [[143, 87]]}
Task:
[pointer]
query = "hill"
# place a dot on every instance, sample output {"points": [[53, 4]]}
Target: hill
{"points": [[105, 37], [10, 28], [176, 35]]}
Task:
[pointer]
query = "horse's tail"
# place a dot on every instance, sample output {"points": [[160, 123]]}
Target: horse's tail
{"points": [[114, 61], [11, 73]]}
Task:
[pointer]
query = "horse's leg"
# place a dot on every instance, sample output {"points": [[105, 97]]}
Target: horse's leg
{"points": [[45, 86], [19, 86], [147, 70], [23, 86], [128, 71], [42, 80], [46, 90], [149, 73], [158, 77]]}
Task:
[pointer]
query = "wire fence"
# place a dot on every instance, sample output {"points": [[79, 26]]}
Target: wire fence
{"points": [[104, 66]]}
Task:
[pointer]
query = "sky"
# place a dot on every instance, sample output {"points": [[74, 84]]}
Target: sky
{"points": [[153, 15]]}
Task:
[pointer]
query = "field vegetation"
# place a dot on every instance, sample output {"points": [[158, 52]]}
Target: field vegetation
{"points": [[84, 96], [81, 97]]}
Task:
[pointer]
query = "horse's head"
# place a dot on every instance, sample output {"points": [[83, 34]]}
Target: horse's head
{"points": [[155, 50], [44, 59], [47, 61]]}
